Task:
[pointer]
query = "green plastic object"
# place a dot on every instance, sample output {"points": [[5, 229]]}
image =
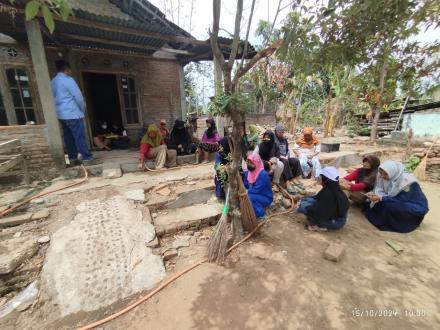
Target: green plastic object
{"points": [[394, 246]]}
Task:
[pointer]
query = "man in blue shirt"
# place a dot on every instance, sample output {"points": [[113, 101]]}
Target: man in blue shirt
{"points": [[70, 107]]}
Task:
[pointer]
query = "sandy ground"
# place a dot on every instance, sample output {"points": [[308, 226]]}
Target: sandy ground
{"points": [[280, 280]]}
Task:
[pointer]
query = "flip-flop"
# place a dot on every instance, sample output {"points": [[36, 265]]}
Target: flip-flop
{"points": [[315, 228]]}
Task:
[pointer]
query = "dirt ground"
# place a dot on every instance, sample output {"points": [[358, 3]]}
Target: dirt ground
{"points": [[279, 280]]}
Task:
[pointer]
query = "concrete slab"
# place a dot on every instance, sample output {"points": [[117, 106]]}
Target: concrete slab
{"points": [[195, 185], [137, 195], [14, 251], [41, 214], [100, 257], [111, 171], [191, 217], [15, 220], [155, 200], [191, 198]]}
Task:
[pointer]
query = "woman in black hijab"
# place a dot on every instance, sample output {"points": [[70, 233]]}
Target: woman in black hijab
{"points": [[328, 208], [180, 139], [270, 154]]}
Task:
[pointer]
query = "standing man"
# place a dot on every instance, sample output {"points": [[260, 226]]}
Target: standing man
{"points": [[70, 106]]}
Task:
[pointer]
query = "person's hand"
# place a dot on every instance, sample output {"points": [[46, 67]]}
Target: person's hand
{"points": [[374, 198], [344, 185], [309, 156], [140, 166], [180, 146]]}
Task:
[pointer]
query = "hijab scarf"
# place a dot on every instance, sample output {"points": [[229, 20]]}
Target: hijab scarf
{"points": [[398, 179], [253, 134], [302, 142], [212, 130], [253, 175], [368, 175], [153, 142], [267, 148]]}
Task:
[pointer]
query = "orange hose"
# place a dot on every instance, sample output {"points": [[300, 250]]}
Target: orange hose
{"points": [[181, 273], [13, 208]]}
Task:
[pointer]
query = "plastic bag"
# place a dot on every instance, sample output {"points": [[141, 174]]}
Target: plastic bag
{"points": [[25, 296]]}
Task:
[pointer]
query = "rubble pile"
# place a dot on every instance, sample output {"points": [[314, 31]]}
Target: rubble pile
{"points": [[433, 163]]}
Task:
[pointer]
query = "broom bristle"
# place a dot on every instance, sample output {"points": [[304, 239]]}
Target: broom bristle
{"points": [[248, 217], [219, 240]]}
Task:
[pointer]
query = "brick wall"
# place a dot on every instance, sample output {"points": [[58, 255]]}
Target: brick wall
{"points": [[34, 146]]}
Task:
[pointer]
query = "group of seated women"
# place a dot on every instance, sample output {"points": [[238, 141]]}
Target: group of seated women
{"points": [[390, 198]]}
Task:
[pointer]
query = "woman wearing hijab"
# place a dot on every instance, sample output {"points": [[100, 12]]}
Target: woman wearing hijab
{"points": [[253, 137], [292, 167], [307, 148], [327, 210], [180, 139], [164, 131], [364, 180], [153, 147], [257, 183], [397, 202], [270, 154], [209, 141], [101, 140]]}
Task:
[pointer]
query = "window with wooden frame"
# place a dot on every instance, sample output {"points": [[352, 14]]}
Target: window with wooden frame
{"points": [[20, 89], [3, 117], [129, 97]]}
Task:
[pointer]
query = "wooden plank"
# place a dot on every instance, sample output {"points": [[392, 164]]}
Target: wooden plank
{"points": [[8, 146], [5, 166]]}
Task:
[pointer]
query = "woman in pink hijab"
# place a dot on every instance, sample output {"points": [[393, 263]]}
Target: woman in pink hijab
{"points": [[257, 182]]}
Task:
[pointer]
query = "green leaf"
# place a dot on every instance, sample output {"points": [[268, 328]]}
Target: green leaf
{"points": [[65, 10], [31, 10], [48, 18]]}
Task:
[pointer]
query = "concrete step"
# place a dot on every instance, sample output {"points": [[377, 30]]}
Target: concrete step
{"points": [[191, 217]]}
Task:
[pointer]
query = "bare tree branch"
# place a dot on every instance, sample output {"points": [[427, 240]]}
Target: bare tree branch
{"points": [[274, 20], [263, 53], [236, 40], [247, 33], [216, 7]]}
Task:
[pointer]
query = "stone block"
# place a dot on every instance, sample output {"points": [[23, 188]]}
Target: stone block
{"points": [[41, 214], [14, 251], [170, 254], [15, 220], [129, 167], [112, 171], [107, 243], [182, 241], [154, 243], [44, 239], [137, 195], [191, 198], [334, 252]]}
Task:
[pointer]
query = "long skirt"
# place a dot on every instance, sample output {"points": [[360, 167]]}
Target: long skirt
{"points": [[331, 224], [208, 147], [259, 204], [292, 168], [392, 217]]}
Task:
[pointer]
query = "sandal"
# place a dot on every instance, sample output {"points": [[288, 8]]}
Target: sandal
{"points": [[291, 190], [315, 228]]}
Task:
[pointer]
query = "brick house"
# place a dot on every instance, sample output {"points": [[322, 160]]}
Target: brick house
{"points": [[126, 57]]}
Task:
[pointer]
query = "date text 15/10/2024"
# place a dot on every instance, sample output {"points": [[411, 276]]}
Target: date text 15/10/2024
{"points": [[357, 312]]}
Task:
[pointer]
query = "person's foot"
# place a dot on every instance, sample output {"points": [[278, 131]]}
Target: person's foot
{"points": [[315, 228], [291, 190], [299, 185], [73, 163], [205, 161], [91, 162]]}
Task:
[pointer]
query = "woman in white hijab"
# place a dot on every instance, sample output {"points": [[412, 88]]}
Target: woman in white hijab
{"points": [[397, 202]]}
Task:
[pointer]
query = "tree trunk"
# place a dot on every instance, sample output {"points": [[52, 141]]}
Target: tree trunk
{"points": [[379, 103], [328, 116]]}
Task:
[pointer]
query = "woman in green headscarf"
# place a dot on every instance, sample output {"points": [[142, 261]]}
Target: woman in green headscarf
{"points": [[253, 137], [153, 147]]}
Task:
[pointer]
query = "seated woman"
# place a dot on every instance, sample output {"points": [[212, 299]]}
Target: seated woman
{"points": [[209, 141], [253, 137], [153, 147], [327, 209], [180, 139], [397, 202], [292, 167], [120, 140], [307, 148], [100, 139], [270, 154], [257, 183], [164, 131], [364, 180]]}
